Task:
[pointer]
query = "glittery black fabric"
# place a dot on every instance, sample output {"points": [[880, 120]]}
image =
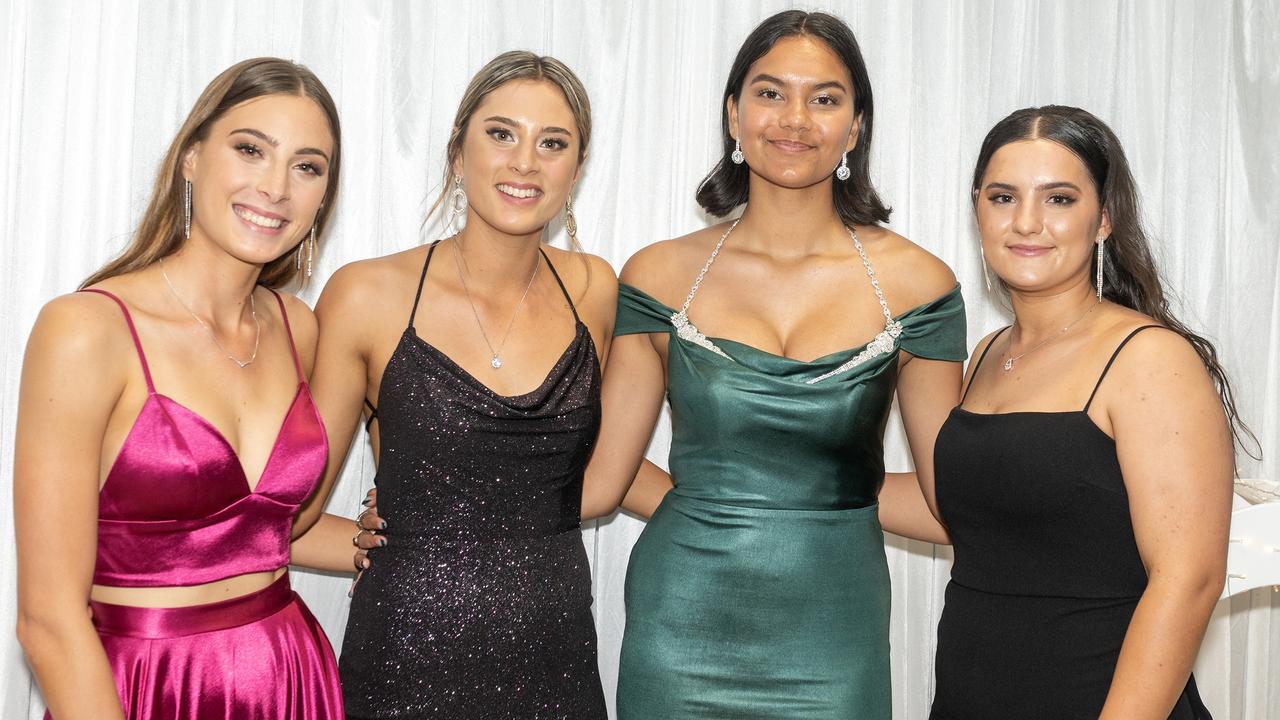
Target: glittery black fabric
{"points": [[480, 605]]}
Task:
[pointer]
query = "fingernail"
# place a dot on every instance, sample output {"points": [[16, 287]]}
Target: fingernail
{"points": [[382, 542], [365, 502], [365, 563], [382, 524]]}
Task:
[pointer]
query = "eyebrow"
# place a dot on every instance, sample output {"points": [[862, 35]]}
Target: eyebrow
{"points": [[766, 77], [276, 143], [1046, 186], [513, 123]]}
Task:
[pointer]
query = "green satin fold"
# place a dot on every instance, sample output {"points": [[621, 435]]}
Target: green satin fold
{"points": [[759, 588]]}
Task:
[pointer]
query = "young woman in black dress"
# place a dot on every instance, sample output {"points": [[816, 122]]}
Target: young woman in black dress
{"points": [[1086, 475], [481, 354]]}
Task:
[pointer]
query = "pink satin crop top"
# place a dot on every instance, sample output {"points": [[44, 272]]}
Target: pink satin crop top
{"points": [[176, 508]]}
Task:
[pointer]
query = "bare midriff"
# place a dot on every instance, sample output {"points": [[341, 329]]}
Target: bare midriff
{"points": [[187, 595]]}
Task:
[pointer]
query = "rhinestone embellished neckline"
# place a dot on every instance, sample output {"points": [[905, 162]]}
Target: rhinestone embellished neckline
{"points": [[883, 343]]}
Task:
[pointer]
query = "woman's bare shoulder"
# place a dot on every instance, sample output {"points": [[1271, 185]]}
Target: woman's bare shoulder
{"points": [[666, 269], [910, 274]]}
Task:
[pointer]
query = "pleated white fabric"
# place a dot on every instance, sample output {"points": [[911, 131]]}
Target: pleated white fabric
{"points": [[90, 95]]}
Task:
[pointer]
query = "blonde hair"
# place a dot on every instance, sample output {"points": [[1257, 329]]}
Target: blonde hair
{"points": [[160, 232], [509, 66]]}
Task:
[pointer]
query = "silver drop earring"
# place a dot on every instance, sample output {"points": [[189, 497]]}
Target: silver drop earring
{"points": [[457, 204], [736, 156], [186, 211], [842, 172], [1101, 255], [311, 249], [986, 276], [570, 220]]}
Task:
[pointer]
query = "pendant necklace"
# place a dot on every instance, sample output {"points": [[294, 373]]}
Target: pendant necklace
{"points": [[253, 310], [495, 361], [1008, 363]]}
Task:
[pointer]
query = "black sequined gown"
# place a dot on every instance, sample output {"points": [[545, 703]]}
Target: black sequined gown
{"points": [[480, 605]]}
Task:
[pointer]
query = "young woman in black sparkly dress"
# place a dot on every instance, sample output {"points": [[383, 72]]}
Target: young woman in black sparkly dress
{"points": [[479, 359]]}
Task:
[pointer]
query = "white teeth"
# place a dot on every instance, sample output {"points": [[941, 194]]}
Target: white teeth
{"points": [[257, 219], [518, 192]]}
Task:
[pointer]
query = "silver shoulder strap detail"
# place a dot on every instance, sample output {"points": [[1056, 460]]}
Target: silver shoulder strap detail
{"points": [[680, 319], [884, 341]]}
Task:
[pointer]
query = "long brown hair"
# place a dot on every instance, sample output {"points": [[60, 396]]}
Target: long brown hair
{"points": [[509, 66], [160, 233], [1132, 279]]}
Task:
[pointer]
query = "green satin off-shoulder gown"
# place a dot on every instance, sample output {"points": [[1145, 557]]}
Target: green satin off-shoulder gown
{"points": [[759, 588]]}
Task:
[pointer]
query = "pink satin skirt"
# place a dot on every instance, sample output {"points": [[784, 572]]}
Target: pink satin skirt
{"points": [[261, 656]]}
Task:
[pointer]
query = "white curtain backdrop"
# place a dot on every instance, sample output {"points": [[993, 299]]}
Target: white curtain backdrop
{"points": [[91, 93]]}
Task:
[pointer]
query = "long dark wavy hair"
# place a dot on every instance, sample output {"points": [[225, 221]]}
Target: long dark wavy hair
{"points": [[160, 233], [726, 186], [1131, 277]]}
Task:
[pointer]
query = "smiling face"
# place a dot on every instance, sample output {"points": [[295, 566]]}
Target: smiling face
{"points": [[519, 157], [1039, 215], [795, 115], [259, 177]]}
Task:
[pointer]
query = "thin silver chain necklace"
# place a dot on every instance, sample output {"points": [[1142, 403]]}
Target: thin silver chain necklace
{"points": [[1011, 359], [495, 361], [253, 310]]}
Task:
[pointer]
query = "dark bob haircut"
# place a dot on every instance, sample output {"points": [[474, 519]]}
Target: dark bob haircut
{"points": [[856, 200]]}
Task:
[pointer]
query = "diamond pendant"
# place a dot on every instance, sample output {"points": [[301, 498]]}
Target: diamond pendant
{"points": [[1008, 365], [495, 362]]}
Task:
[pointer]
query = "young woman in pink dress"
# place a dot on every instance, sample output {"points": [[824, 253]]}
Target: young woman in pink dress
{"points": [[165, 427]]}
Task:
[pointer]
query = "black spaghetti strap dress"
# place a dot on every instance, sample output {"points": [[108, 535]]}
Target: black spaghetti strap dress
{"points": [[480, 605], [1046, 575]]}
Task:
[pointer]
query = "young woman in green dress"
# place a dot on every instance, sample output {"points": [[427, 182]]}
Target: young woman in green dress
{"points": [[759, 588]]}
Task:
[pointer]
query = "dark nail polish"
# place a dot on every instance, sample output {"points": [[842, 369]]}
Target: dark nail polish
{"points": [[382, 542], [382, 524]]}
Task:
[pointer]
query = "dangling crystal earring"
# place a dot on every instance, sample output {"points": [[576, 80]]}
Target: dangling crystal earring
{"points": [[186, 212], [736, 156], [986, 276], [1098, 281], [570, 221], [842, 172], [311, 249], [457, 204]]}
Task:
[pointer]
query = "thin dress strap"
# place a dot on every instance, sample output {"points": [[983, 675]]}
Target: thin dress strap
{"points": [[297, 364], [373, 415], [1115, 354], [421, 279], [974, 373], [556, 275], [133, 332]]}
